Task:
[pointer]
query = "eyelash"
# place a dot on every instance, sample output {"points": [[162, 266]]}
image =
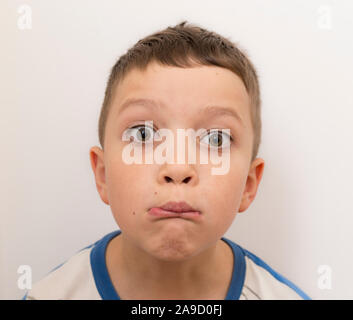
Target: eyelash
{"points": [[208, 131]]}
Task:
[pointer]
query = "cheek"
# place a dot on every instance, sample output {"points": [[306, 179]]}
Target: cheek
{"points": [[223, 194], [129, 179], [128, 187]]}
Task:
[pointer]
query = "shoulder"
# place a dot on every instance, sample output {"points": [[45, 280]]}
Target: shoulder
{"points": [[264, 283], [71, 280]]}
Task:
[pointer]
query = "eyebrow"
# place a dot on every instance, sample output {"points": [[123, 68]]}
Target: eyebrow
{"points": [[142, 102], [220, 111], [213, 110]]}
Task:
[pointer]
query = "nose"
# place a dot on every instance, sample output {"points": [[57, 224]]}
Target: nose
{"points": [[178, 174]]}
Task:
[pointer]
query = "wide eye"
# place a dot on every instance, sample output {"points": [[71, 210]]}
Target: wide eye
{"points": [[140, 134], [217, 138]]}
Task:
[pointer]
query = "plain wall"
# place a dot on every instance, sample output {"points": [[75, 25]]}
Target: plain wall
{"points": [[53, 78]]}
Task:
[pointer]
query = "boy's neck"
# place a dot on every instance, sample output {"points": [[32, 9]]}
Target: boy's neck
{"points": [[136, 275]]}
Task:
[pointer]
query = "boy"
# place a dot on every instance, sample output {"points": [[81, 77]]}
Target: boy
{"points": [[172, 216]]}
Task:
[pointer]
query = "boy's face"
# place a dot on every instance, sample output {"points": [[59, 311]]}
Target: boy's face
{"points": [[132, 189]]}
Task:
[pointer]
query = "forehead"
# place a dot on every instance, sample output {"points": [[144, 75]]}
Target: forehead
{"points": [[182, 90]]}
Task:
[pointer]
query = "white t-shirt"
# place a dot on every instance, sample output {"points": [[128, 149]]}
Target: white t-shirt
{"points": [[85, 277]]}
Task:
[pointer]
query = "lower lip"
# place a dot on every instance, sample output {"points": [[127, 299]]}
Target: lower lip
{"points": [[160, 213]]}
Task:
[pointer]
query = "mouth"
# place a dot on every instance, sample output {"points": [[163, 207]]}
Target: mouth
{"points": [[175, 210]]}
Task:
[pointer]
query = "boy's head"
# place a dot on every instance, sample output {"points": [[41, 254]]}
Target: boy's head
{"points": [[185, 46], [182, 77]]}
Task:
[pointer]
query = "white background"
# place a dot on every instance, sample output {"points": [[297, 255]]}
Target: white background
{"points": [[53, 78]]}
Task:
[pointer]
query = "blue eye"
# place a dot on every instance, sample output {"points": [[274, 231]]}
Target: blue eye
{"points": [[217, 138], [140, 134]]}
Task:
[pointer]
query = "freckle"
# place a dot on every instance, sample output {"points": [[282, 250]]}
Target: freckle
{"points": [[133, 212], [155, 192]]}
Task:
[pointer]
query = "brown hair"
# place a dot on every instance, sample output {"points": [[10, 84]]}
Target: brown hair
{"points": [[186, 45]]}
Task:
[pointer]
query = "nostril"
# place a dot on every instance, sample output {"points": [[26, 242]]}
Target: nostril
{"points": [[169, 179], [186, 180]]}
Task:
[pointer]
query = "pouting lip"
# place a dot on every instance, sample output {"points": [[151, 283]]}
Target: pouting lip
{"points": [[178, 207], [159, 213]]}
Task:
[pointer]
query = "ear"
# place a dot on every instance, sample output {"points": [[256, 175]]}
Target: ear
{"points": [[96, 155], [252, 183]]}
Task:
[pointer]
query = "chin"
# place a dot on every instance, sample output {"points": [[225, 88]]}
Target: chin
{"points": [[172, 250]]}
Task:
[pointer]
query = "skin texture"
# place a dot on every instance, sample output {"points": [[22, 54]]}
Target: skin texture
{"points": [[175, 258]]}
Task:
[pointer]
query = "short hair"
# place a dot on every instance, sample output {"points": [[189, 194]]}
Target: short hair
{"points": [[186, 45]]}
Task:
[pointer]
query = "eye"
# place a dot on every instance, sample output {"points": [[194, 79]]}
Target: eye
{"points": [[140, 134], [217, 138]]}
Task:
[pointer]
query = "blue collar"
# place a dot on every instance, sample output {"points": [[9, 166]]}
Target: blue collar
{"points": [[107, 291]]}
